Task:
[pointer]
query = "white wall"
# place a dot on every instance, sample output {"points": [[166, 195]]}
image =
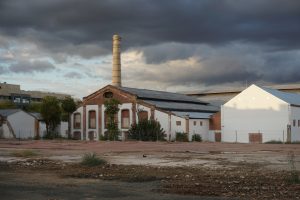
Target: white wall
{"points": [[63, 129], [23, 124], [295, 130], [164, 120], [198, 129], [175, 128], [5, 131], [253, 111], [79, 110]]}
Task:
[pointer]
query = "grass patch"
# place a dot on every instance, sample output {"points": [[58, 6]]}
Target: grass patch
{"points": [[91, 159], [274, 142], [24, 153]]}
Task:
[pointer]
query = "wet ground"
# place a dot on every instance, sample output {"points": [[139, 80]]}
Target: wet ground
{"points": [[147, 170]]}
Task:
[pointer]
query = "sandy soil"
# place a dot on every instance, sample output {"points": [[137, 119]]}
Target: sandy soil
{"points": [[158, 170]]}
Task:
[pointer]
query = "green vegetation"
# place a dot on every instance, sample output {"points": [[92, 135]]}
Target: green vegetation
{"points": [[68, 106], [111, 110], [197, 138], [51, 113], [33, 107], [24, 153], [146, 130], [182, 137], [91, 159], [274, 142], [7, 105]]}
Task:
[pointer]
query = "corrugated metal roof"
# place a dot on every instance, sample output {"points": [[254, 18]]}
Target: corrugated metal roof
{"points": [[193, 115], [161, 95], [177, 106], [7, 112], [290, 98]]}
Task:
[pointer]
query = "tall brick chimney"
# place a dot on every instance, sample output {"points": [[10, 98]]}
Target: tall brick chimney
{"points": [[116, 68]]}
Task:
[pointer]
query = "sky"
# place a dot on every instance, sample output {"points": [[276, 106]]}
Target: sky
{"points": [[172, 45]]}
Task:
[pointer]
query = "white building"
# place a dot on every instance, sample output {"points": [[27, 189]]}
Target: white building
{"points": [[260, 115], [175, 112], [15, 123]]}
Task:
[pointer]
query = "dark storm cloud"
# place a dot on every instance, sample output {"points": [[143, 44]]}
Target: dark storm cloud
{"points": [[31, 66], [142, 22], [75, 75], [164, 30]]}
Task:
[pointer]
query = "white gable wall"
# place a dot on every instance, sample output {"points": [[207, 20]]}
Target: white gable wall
{"points": [[253, 111], [295, 130], [23, 124]]}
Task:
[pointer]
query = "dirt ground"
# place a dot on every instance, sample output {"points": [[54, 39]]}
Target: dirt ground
{"points": [[149, 170]]}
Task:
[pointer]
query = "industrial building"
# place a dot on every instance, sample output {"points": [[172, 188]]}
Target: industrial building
{"points": [[175, 112], [259, 115], [14, 94]]}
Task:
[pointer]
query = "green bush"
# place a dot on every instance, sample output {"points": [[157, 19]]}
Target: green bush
{"points": [[197, 138], [182, 137], [274, 142], [52, 135], [91, 159], [146, 130]]}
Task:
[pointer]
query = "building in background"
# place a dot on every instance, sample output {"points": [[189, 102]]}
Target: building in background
{"points": [[259, 115], [220, 96], [14, 94]]}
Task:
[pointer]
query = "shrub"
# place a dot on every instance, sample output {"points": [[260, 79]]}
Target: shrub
{"points": [[146, 130], [274, 142], [182, 137], [91, 159], [197, 138], [24, 153], [52, 135]]}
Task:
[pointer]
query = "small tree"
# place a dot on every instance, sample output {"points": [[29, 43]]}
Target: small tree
{"points": [[69, 106], [7, 105], [51, 113], [111, 109]]}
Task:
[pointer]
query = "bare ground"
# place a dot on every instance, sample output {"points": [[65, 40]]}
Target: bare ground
{"points": [[158, 170]]}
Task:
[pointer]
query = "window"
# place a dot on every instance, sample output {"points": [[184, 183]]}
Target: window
{"points": [[92, 119], [298, 123], [178, 123], [201, 123], [143, 115], [108, 95], [77, 120], [195, 123], [294, 122], [125, 118]]}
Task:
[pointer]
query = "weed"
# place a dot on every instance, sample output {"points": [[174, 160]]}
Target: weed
{"points": [[24, 153], [91, 159]]}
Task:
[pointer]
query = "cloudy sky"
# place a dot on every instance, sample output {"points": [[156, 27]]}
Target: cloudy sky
{"points": [[172, 45]]}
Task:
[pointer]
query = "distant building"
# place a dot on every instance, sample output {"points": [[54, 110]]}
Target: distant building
{"points": [[220, 96], [260, 114], [13, 93]]}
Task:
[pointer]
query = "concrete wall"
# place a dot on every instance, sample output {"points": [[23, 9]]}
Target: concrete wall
{"points": [[23, 124], [164, 120], [196, 128], [254, 111], [175, 128], [295, 130]]}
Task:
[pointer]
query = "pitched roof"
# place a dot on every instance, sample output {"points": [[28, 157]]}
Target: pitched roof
{"points": [[7, 112], [186, 107], [162, 96], [291, 98]]}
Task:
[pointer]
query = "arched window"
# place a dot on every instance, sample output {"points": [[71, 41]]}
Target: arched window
{"points": [[125, 118], [92, 119], [77, 121], [143, 115]]}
